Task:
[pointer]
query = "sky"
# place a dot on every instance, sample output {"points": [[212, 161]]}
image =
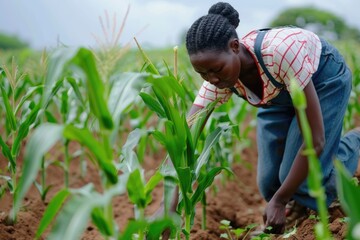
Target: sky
{"points": [[154, 23]]}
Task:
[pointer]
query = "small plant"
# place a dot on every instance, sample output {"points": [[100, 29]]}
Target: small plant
{"points": [[238, 233], [21, 112], [290, 233], [315, 174]]}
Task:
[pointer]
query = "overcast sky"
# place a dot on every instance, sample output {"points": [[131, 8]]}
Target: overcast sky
{"points": [[157, 23]]}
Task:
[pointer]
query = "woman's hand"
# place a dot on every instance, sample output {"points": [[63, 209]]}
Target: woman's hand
{"points": [[274, 216]]}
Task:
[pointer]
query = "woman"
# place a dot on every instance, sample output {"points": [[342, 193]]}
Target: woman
{"points": [[258, 68]]}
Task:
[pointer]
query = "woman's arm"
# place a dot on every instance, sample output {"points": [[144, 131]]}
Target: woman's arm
{"points": [[275, 212]]}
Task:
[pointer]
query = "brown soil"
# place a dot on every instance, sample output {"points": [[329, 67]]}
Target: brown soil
{"points": [[236, 200]]}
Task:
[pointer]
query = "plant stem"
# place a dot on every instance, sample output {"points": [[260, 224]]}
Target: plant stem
{"points": [[187, 225], [141, 217], [315, 175], [203, 220], [43, 179], [109, 216], [82, 163], [67, 164]]}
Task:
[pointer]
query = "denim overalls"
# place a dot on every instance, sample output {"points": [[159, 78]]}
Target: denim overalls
{"points": [[279, 138]]}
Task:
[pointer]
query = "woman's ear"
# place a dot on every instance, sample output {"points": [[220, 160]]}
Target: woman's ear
{"points": [[235, 45]]}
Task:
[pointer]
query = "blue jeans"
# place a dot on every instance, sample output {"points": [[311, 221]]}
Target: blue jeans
{"points": [[279, 138]]}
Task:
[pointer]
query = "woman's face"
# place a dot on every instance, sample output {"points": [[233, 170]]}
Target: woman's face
{"points": [[220, 68]]}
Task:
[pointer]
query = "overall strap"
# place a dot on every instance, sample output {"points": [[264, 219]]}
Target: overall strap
{"points": [[257, 49]]}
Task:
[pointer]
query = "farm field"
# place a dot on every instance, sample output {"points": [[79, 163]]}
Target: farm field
{"points": [[84, 135], [237, 200]]}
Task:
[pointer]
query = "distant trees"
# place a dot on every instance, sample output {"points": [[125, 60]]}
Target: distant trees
{"points": [[11, 42], [324, 23]]}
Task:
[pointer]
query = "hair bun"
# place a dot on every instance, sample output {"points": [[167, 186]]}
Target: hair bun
{"points": [[227, 11]]}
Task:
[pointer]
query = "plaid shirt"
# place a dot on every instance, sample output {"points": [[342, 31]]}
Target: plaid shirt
{"points": [[287, 53]]}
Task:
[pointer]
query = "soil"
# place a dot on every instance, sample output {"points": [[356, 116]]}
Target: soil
{"points": [[236, 200]]}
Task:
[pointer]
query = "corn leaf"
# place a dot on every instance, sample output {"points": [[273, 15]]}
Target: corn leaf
{"points": [[55, 70], [130, 161], [10, 116], [95, 87], [74, 217], [124, 91], [185, 181], [151, 184], [43, 138], [23, 130], [200, 120], [349, 196], [76, 89], [210, 141], [132, 228], [206, 182], [51, 211], [157, 227], [136, 189], [7, 153], [85, 137], [27, 96], [149, 66], [153, 104], [53, 91], [101, 221]]}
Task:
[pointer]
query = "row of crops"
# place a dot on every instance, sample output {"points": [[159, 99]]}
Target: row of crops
{"points": [[116, 106]]}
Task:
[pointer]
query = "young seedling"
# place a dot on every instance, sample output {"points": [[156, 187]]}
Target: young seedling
{"points": [[238, 233]]}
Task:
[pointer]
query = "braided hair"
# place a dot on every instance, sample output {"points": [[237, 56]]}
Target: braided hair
{"points": [[213, 31]]}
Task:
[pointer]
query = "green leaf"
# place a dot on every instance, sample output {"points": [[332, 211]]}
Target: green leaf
{"points": [[95, 87], [206, 182], [130, 160], [43, 138], [157, 227], [85, 137], [151, 184], [210, 141], [238, 231], [58, 84], [55, 69], [73, 219], [225, 222], [224, 235], [23, 130], [64, 108], [101, 222], [149, 65], [7, 153], [132, 228], [51, 211], [349, 196], [290, 233], [10, 116], [136, 189], [50, 117], [76, 89], [201, 119], [27, 96], [185, 181], [152, 104], [124, 91]]}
